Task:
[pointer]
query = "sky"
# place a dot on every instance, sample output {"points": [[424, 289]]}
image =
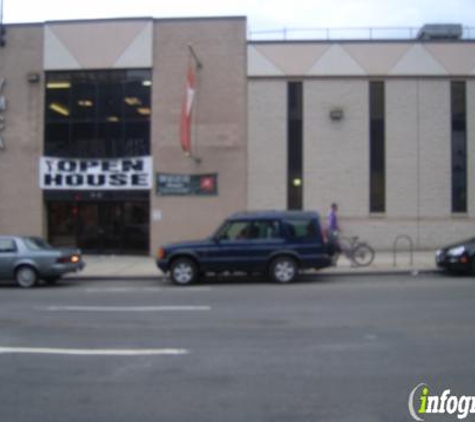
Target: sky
{"points": [[262, 15]]}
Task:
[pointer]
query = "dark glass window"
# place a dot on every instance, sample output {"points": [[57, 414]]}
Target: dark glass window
{"points": [[58, 135], [250, 230], [377, 148], [459, 147], [112, 226], [97, 114], [302, 229], [294, 145]]}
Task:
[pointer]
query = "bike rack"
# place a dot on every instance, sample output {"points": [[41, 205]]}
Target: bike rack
{"points": [[411, 248]]}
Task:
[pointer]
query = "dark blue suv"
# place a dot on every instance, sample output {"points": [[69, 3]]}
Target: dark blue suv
{"points": [[276, 243]]}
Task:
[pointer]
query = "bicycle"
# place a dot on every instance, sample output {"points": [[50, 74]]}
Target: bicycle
{"points": [[360, 254]]}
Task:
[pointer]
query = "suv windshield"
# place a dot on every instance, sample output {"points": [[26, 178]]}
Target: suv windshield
{"points": [[36, 244]]}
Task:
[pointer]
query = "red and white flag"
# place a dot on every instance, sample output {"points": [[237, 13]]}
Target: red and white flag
{"points": [[186, 110]]}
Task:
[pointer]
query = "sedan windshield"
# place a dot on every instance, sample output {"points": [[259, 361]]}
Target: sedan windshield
{"points": [[36, 244]]}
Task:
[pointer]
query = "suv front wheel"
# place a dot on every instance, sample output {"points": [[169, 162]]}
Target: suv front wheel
{"points": [[283, 269], [184, 271]]}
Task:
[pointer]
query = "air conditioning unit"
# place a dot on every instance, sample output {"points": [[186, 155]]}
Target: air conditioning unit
{"points": [[438, 31]]}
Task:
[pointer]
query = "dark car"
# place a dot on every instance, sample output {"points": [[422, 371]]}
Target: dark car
{"points": [[27, 259], [275, 243], [459, 257]]}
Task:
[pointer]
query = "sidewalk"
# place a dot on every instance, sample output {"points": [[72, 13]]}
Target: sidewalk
{"points": [[120, 266], [386, 263]]}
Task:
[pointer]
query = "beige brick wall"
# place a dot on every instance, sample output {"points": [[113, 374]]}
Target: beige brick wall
{"points": [[21, 203], [220, 123], [267, 161], [435, 148], [402, 155], [336, 156], [418, 169]]}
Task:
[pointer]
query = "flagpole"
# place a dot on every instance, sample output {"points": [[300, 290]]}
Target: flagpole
{"points": [[199, 66], [2, 28]]}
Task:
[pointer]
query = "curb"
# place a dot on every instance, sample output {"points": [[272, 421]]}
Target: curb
{"points": [[383, 272], [335, 273]]}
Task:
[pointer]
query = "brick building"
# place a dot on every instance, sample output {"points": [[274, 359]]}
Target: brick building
{"points": [[90, 129]]}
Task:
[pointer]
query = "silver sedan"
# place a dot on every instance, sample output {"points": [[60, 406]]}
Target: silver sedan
{"points": [[28, 259]]}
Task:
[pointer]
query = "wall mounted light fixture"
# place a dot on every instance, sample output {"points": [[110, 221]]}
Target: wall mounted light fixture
{"points": [[336, 113], [33, 77]]}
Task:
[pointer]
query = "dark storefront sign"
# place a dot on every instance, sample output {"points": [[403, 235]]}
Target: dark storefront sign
{"points": [[187, 184], [96, 174]]}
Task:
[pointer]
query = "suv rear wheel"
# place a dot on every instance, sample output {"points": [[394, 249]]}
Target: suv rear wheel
{"points": [[283, 269], [184, 271]]}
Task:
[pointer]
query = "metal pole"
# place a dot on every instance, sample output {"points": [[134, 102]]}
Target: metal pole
{"points": [[199, 65], [2, 28]]}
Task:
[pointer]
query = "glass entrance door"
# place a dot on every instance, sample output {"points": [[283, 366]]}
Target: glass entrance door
{"points": [[100, 227]]}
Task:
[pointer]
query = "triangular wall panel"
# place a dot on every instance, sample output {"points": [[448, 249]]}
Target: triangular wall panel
{"points": [[293, 59], [97, 45], [259, 65], [336, 62], [377, 58], [457, 59], [56, 55], [139, 52], [418, 61]]}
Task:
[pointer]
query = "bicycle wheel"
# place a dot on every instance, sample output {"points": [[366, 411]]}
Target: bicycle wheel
{"points": [[363, 255]]}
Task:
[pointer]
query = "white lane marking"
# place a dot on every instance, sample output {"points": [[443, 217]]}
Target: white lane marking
{"points": [[125, 308], [92, 352], [143, 289]]}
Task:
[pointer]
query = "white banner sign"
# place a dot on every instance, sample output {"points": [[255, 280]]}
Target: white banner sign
{"points": [[133, 173]]}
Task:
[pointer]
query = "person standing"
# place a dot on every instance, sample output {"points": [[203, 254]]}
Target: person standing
{"points": [[332, 222], [333, 230]]}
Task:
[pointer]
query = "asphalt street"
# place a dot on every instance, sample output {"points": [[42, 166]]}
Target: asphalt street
{"points": [[330, 348]]}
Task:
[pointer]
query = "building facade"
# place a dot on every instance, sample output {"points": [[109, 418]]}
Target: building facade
{"points": [[90, 113], [91, 145], [385, 129]]}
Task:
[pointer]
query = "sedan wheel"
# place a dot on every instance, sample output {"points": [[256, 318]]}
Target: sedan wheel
{"points": [[26, 276], [184, 271], [283, 270]]}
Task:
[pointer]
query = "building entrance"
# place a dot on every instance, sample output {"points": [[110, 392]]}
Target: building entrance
{"points": [[100, 227]]}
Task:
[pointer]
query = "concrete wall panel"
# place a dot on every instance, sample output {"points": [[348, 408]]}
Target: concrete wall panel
{"points": [[21, 202], [267, 159], [336, 159]]}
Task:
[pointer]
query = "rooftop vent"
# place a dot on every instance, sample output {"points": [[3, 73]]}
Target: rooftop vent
{"points": [[440, 32]]}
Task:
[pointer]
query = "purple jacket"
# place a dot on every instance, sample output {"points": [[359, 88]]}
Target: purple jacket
{"points": [[332, 221]]}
